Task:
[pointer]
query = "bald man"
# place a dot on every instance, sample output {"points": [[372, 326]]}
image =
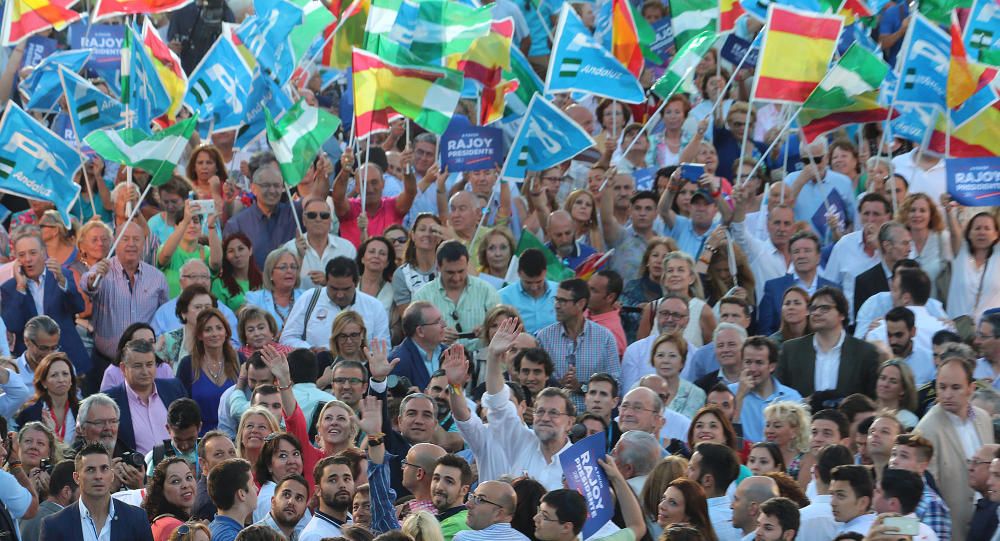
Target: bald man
{"points": [[563, 242], [752, 492], [418, 467], [675, 425], [491, 508]]}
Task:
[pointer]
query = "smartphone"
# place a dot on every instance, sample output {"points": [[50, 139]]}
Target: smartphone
{"points": [[904, 525], [205, 206], [466, 335], [691, 172]]}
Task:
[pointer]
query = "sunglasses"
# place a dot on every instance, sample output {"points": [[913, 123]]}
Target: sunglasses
{"points": [[312, 215]]}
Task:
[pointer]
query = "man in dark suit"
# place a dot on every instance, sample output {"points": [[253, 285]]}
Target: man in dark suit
{"points": [[143, 391], [804, 250], [40, 286], [894, 244], [423, 327], [96, 509], [829, 364]]}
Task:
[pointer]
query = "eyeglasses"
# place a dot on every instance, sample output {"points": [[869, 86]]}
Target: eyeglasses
{"points": [[352, 381], [397, 240], [102, 422], [438, 321], [476, 499], [540, 413], [403, 463], [672, 315], [547, 519], [349, 336], [45, 349], [284, 267], [820, 308], [312, 215], [971, 462], [808, 161], [635, 407]]}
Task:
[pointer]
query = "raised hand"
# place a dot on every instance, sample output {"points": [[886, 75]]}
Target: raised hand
{"points": [[455, 364], [278, 364], [610, 468], [378, 364], [371, 415], [504, 337]]}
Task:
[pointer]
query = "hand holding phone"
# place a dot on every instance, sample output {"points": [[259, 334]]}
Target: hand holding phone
{"points": [[691, 172]]}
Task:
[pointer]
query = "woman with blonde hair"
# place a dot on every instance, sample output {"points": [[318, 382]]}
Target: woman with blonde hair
{"points": [[60, 242], [256, 423], [191, 531], [931, 241], [582, 207], [666, 470], [348, 337], [787, 425], [280, 281], [495, 251], [680, 278], [422, 526], [896, 391]]}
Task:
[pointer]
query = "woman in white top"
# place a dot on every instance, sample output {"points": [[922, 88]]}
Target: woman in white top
{"points": [[680, 278], [974, 287], [667, 145], [930, 241], [376, 264]]}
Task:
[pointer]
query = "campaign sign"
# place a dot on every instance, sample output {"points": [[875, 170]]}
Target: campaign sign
{"points": [[663, 40], [974, 182], [106, 40], [584, 475], [644, 178], [735, 48], [36, 49], [834, 205], [471, 148]]}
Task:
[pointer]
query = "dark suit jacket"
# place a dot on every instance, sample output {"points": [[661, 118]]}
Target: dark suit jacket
{"points": [[168, 389], [984, 521], [130, 524], [868, 283], [769, 307], [858, 366], [62, 306], [411, 363]]}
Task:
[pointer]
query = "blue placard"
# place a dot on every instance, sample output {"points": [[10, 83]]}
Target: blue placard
{"points": [[833, 204], [644, 178], [36, 49], [106, 40], [584, 475], [735, 48], [471, 148], [663, 40], [974, 182]]}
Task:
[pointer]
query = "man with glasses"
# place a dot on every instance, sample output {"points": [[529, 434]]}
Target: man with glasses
{"points": [[310, 322], [672, 315], [804, 248], [381, 211], [812, 185], [987, 343], [318, 246], [40, 287], [41, 337], [98, 422], [578, 347], [829, 364], [984, 519], [491, 508], [194, 271], [419, 353]]}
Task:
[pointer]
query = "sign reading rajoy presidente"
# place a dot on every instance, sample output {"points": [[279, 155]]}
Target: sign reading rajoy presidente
{"points": [[471, 148], [585, 475], [974, 182]]}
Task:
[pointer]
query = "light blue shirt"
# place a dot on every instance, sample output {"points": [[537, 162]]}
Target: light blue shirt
{"points": [[814, 194], [16, 498], [432, 362], [683, 232], [537, 313], [752, 412], [228, 423], [15, 394]]}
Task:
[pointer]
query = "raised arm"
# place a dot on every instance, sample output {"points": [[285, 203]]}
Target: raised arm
{"points": [[954, 228], [214, 243], [631, 509], [690, 151], [612, 230], [170, 246], [339, 195], [405, 200], [666, 205], [502, 341], [456, 367]]}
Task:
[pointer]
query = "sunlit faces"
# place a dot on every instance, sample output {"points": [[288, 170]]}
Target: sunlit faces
{"points": [[881, 436], [667, 360], [846, 504], [179, 485], [418, 419], [823, 432], [761, 461], [600, 399], [255, 429], [95, 476], [335, 425], [336, 487], [447, 489], [672, 508], [708, 427], [954, 391]]}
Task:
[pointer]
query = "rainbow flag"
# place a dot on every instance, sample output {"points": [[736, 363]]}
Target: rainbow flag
{"points": [[729, 11], [22, 18], [625, 37], [796, 53]]}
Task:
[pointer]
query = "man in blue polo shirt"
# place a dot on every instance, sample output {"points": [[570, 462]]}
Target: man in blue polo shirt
{"points": [[758, 388], [234, 494], [533, 295]]}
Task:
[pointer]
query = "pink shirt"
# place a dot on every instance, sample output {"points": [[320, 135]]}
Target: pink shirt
{"points": [[385, 216], [611, 321], [149, 421]]}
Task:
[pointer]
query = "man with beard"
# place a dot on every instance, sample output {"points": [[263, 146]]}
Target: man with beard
{"points": [[288, 505], [563, 242], [97, 422], [335, 491], [449, 486], [533, 295]]}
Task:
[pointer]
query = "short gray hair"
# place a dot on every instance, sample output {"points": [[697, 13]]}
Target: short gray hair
{"points": [[272, 261], [96, 399], [27, 232], [426, 137], [413, 316], [38, 324], [641, 451], [880, 160], [804, 147], [887, 230], [730, 326]]}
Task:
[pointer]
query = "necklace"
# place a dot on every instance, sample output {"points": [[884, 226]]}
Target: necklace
{"points": [[214, 374]]}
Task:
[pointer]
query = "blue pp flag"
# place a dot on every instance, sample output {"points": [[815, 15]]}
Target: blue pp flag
{"points": [[982, 31], [925, 57], [89, 108], [983, 99], [580, 64], [35, 163], [266, 36], [915, 122], [264, 93], [219, 87], [835, 205], [43, 87], [547, 137], [584, 475], [758, 8], [142, 89]]}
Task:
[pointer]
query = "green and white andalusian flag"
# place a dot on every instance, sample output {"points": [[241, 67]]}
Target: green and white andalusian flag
{"points": [[692, 17], [678, 74], [297, 138], [429, 30], [857, 72], [157, 154]]}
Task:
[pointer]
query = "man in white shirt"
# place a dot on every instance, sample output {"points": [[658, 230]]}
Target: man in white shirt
{"points": [[768, 259], [752, 492], [910, 287], [817, 523], [857, 251], [674, 428], [715, 467], [672, 314], [311, 320], [925, 175], [318, 246], [898, 491], [851, 491], [335, 488]]}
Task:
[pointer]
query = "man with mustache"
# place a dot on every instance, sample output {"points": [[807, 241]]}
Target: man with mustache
{"points": [[335, 488], [288, 505]]}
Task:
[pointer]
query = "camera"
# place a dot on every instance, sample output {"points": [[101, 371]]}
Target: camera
{"points": [[46, 465], [135, 460]]}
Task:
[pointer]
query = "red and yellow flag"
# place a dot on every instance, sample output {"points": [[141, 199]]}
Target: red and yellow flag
{"points": [[22, 18], [168, 67], [350, 33], [111, 8], [961, 79], [729, 11], [625, 37], [797, 49], [488, 56], [492, 104], [977, 138]]}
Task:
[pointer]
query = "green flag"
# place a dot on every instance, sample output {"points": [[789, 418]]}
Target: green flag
{"points": [[678, 74], [939, 11], [690, 18], [858, 72], [430, 29], [296, 139], [557, 270], [157, 154]]}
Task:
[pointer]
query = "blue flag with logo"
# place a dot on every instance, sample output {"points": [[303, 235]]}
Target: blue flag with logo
{"points": [[219, 87], [983, 99], [924, 61], [142, 89], [758, 8], [266, 35], [982, 30], [264, 92], [42, 86], [584, 475], [35, 163], [915, 122], [855, 33], [833, 205], [547, 137], [89, 108], [580, 64]]}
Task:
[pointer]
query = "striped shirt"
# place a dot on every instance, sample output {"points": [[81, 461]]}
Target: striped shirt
{"points": [[501, 531], [382, 496], [120, 302], [594, 350], [468, 313]]}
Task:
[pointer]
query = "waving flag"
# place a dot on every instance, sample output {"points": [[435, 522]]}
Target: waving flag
{"points": [[89, 108], [42, 87], [297, 138], [266, 36], [428, 96], [143, 92], [679, 72], [690, 18], [940, 11], [982, 99], [758, 8], [914, 121], [337, 50], [264, 93], [578, 63], [547, 137], [22, 18], [729, 12], [434, 30], [978, 138], [111, 8], [156, 154], [982, 30], [315, 18], [488, 56], [528, 83], [924, 60], [795, 54], [493, 100], [168, 67], [36, 163], [220, 86], [625, 37]]}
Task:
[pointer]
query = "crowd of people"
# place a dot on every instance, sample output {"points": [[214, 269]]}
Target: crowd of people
{"points": [[379, 353]]}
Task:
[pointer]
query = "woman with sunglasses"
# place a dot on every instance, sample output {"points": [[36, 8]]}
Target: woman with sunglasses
{"points": [[182, 245], [169, 497], [398, 236]]}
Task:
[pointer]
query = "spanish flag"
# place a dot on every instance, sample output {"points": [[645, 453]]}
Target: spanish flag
{"points": [[625, 37], [488, 56], [729, 12], [168, 67], [961, 79], [493, 100], [797, 49], [350, 33], [978, 138], [22, 18], [111, 8]]}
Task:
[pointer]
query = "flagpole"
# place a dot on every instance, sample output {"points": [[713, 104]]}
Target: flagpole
{"points": [[298, 224], [79, 152], [364, 183], [658, 109], [770, 148], [482, 219], [545, 25], [732, 78], [312, 59], [743, 144]]}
